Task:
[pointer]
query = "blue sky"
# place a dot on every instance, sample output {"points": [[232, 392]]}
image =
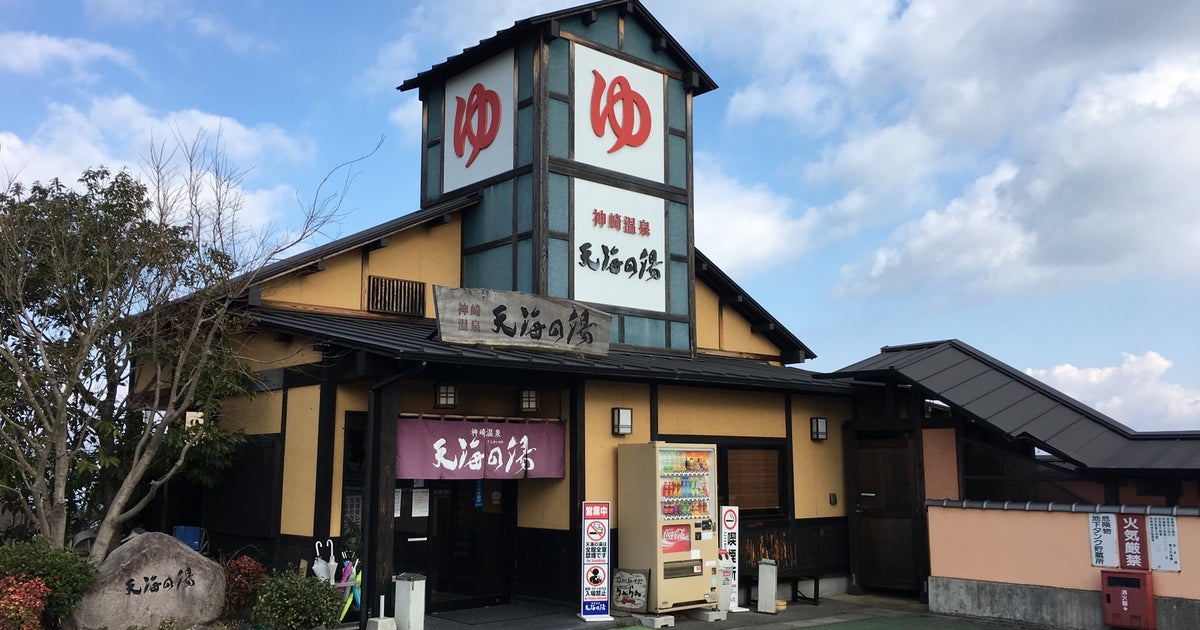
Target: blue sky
{"points": [[1023, 176]]}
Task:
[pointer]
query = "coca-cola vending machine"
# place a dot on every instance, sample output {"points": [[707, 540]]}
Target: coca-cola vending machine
{"points": [[666, 506]]}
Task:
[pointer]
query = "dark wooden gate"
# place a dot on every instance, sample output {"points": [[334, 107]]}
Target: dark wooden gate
{"points": [[885, 523]]}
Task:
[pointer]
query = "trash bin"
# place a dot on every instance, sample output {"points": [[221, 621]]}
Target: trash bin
{"points": [[410, 601], [768, 579]]}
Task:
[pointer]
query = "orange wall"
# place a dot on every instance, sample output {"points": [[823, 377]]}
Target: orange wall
{"points": [[818, 468], [720, 327], [600, 477], [941, 463], [1041, 549], [694, 411]]}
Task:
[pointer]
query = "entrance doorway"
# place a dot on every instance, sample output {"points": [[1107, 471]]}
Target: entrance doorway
{"points": [[885, 524], [460, 535]]}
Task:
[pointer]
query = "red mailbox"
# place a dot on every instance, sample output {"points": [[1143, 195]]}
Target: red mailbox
{"points": [[1128, 599]]}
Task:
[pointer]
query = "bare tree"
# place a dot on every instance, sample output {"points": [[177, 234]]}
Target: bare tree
{"points": [[118, 309]]}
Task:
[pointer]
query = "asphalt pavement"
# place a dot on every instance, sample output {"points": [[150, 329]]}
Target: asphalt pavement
{"points": [[840, 612]]}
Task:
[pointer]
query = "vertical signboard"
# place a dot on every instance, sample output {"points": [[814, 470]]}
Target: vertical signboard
{"points": [[1102, 537], [595, 566], [1133, 549], [619, 121], [478, 119], [1163, 538], [730, 517], [619, 241]]}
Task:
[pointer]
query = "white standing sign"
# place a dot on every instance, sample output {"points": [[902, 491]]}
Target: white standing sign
{"points": [[594, 586], [619, 245], [730, 520], [619, 121], [478, 123]]}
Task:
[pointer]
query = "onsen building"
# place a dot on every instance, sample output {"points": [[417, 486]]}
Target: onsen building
{"points": [[441, 393]]}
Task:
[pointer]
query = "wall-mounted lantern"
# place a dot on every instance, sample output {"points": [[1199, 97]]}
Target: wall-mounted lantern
{"points": [[819, 428], [622, 418]]}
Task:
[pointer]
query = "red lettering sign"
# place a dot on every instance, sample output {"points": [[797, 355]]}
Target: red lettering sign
{"points": [[676, 538], [605, 105], [476, 120], [1133, 547]]}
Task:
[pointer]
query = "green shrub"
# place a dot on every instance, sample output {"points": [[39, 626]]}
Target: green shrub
{"points": [[62, 570], [292, 601], [244, 578]]}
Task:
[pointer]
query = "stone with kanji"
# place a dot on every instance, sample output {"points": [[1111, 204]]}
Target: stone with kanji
{"points": [[150, 579]]}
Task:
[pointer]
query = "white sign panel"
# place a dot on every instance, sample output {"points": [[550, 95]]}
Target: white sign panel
{"points": [[619, 120], [1164, 543], [619, 245], [1102, 536], [730, 521], [595, 562], [478, 125]]}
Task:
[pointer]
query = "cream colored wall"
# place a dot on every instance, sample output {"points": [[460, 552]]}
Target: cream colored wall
{"points": [[940, 453], [1040, 549], [340, 285], [708, 324], [351, 397], [818, 467], [545, 503], [599, 398], [722, 328], [255, 415], [429, 254], [262, 352], [694, 411], [299, 461]]}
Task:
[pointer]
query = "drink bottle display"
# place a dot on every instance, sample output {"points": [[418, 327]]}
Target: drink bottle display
{"points": [[668, 527]]}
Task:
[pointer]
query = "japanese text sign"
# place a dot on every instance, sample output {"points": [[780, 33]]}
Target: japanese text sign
{"points": [[478, 123], [595, 561], [1134, 541], [438, 449], [619, 243], [509, 318], [619, 122]]}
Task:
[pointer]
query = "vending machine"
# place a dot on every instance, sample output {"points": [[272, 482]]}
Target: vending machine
{"points": [[666, 506]]}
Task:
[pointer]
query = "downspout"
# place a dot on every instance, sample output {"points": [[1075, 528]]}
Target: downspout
{"points": [[375, 404]]}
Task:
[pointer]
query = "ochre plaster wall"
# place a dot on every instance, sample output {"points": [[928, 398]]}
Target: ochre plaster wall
{"points": [[600, 469], [941, 463], [255, 415], [1041, 549], [261, 352], [818, 467], [299, 461], [340, 285], [693, 411], [352, 397], [545, 503], [427, 254], [721, 328]]}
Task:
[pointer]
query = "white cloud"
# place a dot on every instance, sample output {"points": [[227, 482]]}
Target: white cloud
{"points": [[118, 132], [39, 54], [1134, 393], [743, 227], [407, 118], [172, 12]]}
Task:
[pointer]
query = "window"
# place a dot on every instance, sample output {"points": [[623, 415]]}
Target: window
{"points": [[754, 479], [446, 396]]}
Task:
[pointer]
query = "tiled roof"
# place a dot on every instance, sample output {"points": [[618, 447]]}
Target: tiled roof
{"points": [[1009, 400]]}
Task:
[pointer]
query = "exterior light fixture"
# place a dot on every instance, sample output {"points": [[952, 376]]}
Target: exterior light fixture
{"points": [[819, 428], [622, 418], [527, 400], [446, 396]]}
